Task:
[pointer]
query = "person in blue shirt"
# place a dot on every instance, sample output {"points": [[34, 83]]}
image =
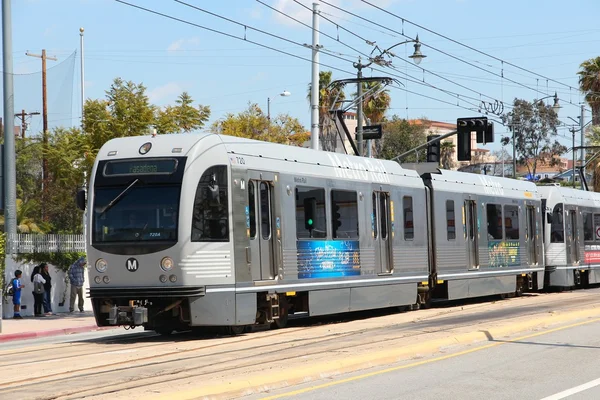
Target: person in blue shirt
{"points": [[77, 278], [17, 288]]}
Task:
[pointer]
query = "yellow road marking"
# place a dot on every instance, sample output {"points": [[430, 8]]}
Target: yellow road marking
{"points": [[419, 363]]}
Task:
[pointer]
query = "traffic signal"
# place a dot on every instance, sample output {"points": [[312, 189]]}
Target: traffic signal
{"points": [[433, 149], [310, 212], [464, 127], [337, 218], [486, 135]]}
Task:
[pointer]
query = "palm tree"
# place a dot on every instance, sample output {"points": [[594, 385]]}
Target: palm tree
{"points": [[589, 83], [25, 224], [327, 95], [374, 108], [446, 152]]}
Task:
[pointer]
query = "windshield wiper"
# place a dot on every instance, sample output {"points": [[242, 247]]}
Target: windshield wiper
{"points": [[119, 197]]}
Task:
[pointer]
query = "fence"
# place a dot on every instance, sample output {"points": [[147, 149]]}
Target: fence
{"points": [[28, 243]]}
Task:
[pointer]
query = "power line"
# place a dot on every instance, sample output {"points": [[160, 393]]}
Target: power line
{"points": [[228, 35], [464, 45]]}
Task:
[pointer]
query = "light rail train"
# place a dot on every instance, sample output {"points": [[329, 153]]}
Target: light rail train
{"points": [[210, 230]]}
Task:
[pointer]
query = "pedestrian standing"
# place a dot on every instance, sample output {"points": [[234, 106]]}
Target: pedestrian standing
{"points": [[17, 287], [38, 290], [77, 278], [48, 288]]}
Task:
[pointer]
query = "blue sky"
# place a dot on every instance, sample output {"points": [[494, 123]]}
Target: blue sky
{"points": [[550, 37]]}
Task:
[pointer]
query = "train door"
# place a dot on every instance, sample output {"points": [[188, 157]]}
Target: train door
{"points": [[471, 226], [381, 231], [530, 236], [572, 236], [260, 212]]}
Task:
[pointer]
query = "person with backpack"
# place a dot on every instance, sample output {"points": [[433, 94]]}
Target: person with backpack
{"points": [[17, 286], [38, 290]]}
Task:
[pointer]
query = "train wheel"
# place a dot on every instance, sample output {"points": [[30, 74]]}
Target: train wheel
{"points": [[164, 331], [282, 321], [235, 330]]}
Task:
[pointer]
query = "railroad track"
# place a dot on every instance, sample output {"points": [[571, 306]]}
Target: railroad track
{"points": [[218, 355]]}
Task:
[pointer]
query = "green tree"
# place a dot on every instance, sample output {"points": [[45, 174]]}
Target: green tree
{"points": [[534, 127], [125, 112], [67, 175], [183, 117], [327, 96], [400, 136], [252, 123], [589, 83]]}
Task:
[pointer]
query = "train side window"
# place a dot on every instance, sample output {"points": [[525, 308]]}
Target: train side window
{"points": [[588, 228], [210, 217], [252, 209], [344, 210], [494, 221], [407, 206], [596, 223], [557, 229], [511, 222], [374, 219], [311, 222], [450, 220]]}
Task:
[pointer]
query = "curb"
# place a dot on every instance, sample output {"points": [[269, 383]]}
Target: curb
{"points": [[258, 383], [52, 332]]}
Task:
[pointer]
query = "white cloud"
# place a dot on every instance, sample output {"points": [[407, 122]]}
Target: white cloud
{"points": [[184, 44], [163, 92], [304, 14]]}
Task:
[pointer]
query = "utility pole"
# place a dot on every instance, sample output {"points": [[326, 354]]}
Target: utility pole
{"points": [[45, 127], [82, 77], [23, 116], [359, 109], [314, 91], [514, 160], [10, 193]]}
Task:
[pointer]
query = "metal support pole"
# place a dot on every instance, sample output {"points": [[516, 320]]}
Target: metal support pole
{"points": [[359, 111], [314, 93], [514, 160], [269, 115], [573, 132], [82, 77], [10, 199], [581, 126]]}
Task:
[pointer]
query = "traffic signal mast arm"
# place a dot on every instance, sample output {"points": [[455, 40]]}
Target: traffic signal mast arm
{"points": [[424, 145]]}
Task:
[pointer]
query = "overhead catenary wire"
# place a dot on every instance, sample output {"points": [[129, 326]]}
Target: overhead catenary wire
{"points": [[438, 50], [463, 44], [227, 34]]}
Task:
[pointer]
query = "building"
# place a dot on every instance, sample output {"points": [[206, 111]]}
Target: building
{"points": [[478, 155]]}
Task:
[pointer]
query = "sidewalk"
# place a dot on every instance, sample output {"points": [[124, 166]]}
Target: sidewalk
{"points": [[52, 325]]}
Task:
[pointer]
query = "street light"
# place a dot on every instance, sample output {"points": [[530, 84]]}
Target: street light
{"points": [[285, 93], [417, 57], [555, 106]]}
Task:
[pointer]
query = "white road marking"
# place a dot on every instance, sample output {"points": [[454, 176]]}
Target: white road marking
{"points": [[574, 390]]}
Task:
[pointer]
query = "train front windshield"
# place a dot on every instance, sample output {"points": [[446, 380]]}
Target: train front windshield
{"points": [[136, 204], [147, 213]]}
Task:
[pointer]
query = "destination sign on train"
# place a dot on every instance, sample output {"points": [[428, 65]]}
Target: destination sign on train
{"points": [[136, 167]]}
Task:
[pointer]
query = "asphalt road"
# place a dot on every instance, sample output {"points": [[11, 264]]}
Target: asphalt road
{"points": [[562, 364]]}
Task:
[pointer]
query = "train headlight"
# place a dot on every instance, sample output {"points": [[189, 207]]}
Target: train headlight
{"points": [[106, 279], [98, 280], [173, 278], [101, 265], [166, 264], [163, 278]]}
